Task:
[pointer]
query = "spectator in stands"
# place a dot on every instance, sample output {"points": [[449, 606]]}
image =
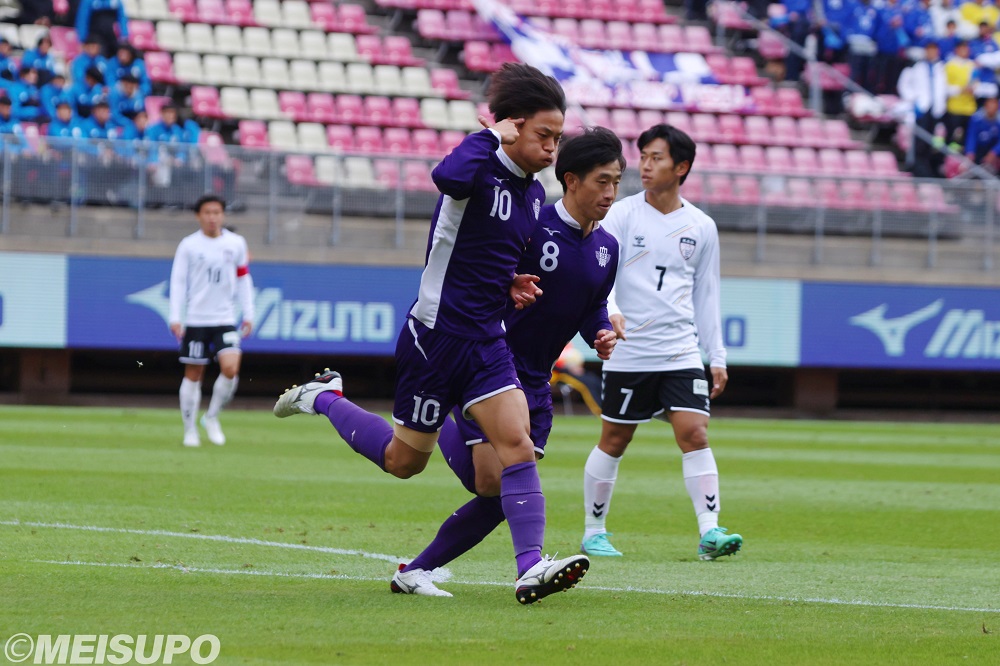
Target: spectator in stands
{"points": [[891, 40], [976, 12], [10, 125], [90, 57], [65, 124], [983, 135], [171, 130], [944, 12], [41, 59], [961, 101], [836, 16], [27, 97], [54, 93], [88, 92], [798, 25], [8, 66], [126, 99], [141, 123], [918, 23], [947, 43], [98, 19], [983, 43], [924, 86], [127, 61], [38, 12], [101, 125], [861, 43], [984, 78]]}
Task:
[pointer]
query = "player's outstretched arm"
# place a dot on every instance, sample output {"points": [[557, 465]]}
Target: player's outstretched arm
{"points": [[524, 291]]}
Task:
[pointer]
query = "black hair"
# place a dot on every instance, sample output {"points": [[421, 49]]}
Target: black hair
{"points": [[520, 91], [581, 154], [94, 73], [102, 105], [207, 199], [682, 148]]}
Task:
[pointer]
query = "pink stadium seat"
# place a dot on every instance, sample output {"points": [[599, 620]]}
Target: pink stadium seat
{"points": [[705, 157], [831, 161], [884, 164], [877, 195], [598, 116], [501, 53], [573, 123], [751, 159], [619, 36], [142, 35], [353, 19], [770, 46], [154, 103], [406, 112], [209, 11], [837, 134], [253, 134], [445, 80], [399, 51], [746, 191], [932, 196], [805, 161], [568, 28], [721, 68], [299, 170], [731, 129], [213, 149], [719, 188], [693, 188], [160, 67], [417, 177], [322, 108], [765, 101], [704, 127], [852, 194], [678, 119], [811, 133], [459, 26], [727, 15], [758, 130], [185, 10], [744, 72], [325, 16], [592, 34], [482, 29], [671, 38], [368, 139], [60, 7], [378, 110], [387, 173], [829, 194], [431, 24], [205, 102], [858, 163], [727, 157], [291, 103], [645, 36], [649, 117], [800, 193], [240, 12], [350, 109], [477, 57], [65, 41], [790, 102], [449, 139], [369, 47], [425, 143], [905, 197], [779, 160], [785, 131], [625, 124], [340, 138], [698, 40], [396, 140]]}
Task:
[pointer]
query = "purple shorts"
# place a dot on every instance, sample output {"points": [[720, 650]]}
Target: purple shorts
{"points": [[436, 372], [540, 411]]}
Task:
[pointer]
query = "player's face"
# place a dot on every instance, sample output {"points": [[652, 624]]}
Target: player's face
{"points": [[657, 168], [597, 191], [537, 141], [211, 217]]}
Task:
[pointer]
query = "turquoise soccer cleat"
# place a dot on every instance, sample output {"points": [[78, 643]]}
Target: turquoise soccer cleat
{"points": [[599, 546], [716, 543]]}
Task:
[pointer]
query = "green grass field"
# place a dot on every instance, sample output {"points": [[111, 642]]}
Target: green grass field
{"points": [[865, 543]]}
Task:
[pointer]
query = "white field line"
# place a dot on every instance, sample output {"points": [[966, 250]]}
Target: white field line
{"points": [[440, 574]]}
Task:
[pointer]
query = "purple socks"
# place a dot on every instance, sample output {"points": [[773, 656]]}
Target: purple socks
{"points": [[524, 506], [463, 530], [366, 433]]}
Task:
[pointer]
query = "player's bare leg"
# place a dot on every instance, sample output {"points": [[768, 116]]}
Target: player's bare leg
{"points": [[190, 400], [701, 477], [504, 421], [599, 476], [222, 393]]}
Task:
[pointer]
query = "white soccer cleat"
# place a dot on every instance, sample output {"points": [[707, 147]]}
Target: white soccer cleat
{"points": [[417, 581], [300, 399], [191, 438], [213, 430], [550, 576]]}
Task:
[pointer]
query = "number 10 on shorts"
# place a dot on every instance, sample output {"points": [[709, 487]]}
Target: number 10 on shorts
{"points": [[426, 411]]}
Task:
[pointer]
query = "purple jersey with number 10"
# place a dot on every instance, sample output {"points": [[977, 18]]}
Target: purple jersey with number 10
{"points": [[483, 221]]}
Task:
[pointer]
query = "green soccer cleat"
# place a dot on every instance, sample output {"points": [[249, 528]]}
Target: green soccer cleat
{"points": [[599, 546], [717, 543]]}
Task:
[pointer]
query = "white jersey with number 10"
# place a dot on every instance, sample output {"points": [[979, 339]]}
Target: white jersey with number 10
{"points": [[204, 278]]}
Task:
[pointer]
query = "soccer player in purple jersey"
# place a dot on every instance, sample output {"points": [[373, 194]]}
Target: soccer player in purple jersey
{"points": [[577, 261], [451, 351]]}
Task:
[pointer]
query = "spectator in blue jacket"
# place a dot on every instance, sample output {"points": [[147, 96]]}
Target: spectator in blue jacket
{"points": [[861, 43], [90, 57], [984, 43], [798, 25], [982, 138], [949, 41], [87, 93], [11, 126], [41, 59], [8, 66], [98, 19], [126, 99], [27, 97], [918, 23], [55, 92], [891, 40], [833, 29], [65, 125], [127, 61]]}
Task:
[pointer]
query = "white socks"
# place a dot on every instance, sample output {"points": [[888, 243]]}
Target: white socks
{"points": [[701, 476], [190, 394], [222, 393], [599, 475]]}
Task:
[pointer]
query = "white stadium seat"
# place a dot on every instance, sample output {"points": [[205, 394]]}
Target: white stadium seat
{"points": [[235, 102], [264, 104]]}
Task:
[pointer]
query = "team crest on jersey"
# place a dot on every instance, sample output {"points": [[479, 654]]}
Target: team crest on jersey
{"points": [[537, 206], [687, 246], [639, 241], [603, 257]]}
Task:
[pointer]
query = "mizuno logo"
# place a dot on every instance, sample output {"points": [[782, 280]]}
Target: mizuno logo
{"points": [[500, 180], [522, 501], [892, 332], [552, 232]]}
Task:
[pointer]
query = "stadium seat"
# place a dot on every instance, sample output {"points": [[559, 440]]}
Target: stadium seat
{"points": [[397, 141], [771, 46], [884, 164], [800, 193], [431, 24], [625, 124], [719, 188], [619, 35], [905, 197], [329, 170], [210, 11], [332, 77], [350, 109], [731, 129], [312, 137], [858, 163], [187, 68], [837, 134], [744, 72], [377, 110], [764, 101], [746, 191], [295, 14], [399, 51], [697, 39], [300, 171], [285, 43], [596, 115], [806, 161], [205, 102], [449, 139], [694, 188], [199, 37], [185, 10], [369, 48], [216, 70], [154, 10], [322, 107], [170, 36], [141, 35], [434, 113], [757, 129], [293, 105], [387, 79], [592, 34], [680, 120], [444, 82], [649, 117], [228, 39], [303, 75], [779, 160], [417, 176], [789, 102], [264, 104], [785, 131], [65, 41], [671, 38], [704, 127], [358, 172], [831, 161], [360, 77], [257, 42], [751, 158], [387, 173], [240, 12], [213, 150], [425, 143], [342, 46], [478, 58], [464, 115], [253, 134], [340, 138], [281, 135], [353, 19], [274, 72], [246, 71], [313, 45], [267, 13], [406, 112], [160, 67]]}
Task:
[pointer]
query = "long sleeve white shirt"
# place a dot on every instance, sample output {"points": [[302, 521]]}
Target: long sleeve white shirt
{"points": [[208, 277], [667, 287]]}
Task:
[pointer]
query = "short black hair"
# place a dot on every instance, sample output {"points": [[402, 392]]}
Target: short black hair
{"points": [[682, 147], [520, 91], [207, 199], [581, 154]]}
